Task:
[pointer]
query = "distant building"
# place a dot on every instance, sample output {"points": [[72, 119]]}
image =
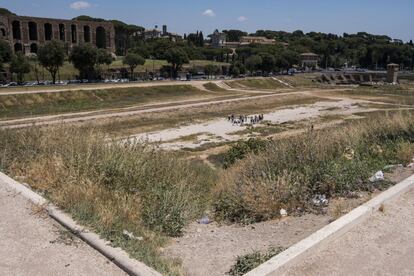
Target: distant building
{"points": [[310, 60], [26, 34], [257, 40], [155, 33], [152, 33], [392, 73], [218, 40]]}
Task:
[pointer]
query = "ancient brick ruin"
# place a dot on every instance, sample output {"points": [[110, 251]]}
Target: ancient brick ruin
{"points": [[26, 34]]}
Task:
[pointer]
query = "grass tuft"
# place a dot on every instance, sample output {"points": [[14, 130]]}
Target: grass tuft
{"points": [[250, 261]]}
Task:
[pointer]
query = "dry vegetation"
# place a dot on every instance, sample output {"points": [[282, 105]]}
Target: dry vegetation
{"points": [[111, 186], [259, 83], [70, 101], [174, 118], [287, 173], [301, 80]]}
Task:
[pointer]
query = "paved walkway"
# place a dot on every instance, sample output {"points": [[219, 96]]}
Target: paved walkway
{"points": [[31, 243], [382, 245]]}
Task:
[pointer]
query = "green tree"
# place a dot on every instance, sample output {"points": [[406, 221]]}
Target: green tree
{"points": [[103, 57], [268, 62], [34, 63], [234, 35], [84, 58], [52, 56], [211, 69], [133, 60], [176, 57], [20, 66], [253, 63], [5, 52], [237, 68]]}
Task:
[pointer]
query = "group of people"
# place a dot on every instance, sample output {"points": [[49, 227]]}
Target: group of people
{"points": [[244, 119]]}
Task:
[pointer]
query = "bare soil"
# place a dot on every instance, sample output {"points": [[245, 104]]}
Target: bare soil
{"points": [[381, 245], [213, 248]]}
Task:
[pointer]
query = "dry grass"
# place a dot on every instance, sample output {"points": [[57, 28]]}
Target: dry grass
{"points": [[289, 172], [405, 153], [261, 83], [72, 101], [111, 187], [301, 80], [213, 87]]}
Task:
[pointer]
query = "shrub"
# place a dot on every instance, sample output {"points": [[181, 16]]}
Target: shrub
{"points": [[170, 190], [287, 173], [248, 262], [110, 185], [405, 153], [241, 149]]}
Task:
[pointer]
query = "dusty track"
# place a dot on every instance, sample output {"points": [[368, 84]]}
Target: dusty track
{"points": [[91, 115]]}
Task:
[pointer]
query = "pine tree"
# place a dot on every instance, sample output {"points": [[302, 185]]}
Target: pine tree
{"points": [[201, 39]]}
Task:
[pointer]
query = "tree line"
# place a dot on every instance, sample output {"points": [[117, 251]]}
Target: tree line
{"points": [[86, 58]]}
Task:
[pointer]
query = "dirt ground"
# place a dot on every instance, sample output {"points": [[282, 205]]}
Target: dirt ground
{"points": [[382, 245], [31, 243], [216, 131], [212, 249]]}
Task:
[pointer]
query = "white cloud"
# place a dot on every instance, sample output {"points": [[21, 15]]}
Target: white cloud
{"points": [[209, 13], [242, 18], [80, 5]]}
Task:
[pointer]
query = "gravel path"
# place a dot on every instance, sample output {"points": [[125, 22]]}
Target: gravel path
{"points": [[31, 243]]}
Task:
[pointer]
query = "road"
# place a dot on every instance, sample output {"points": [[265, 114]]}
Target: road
{"points": [[31, 243], [382, 245]]}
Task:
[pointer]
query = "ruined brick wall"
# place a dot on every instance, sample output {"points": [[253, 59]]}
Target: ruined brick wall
{"points": [[26, 33]]}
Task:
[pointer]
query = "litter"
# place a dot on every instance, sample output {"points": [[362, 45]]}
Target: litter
{"points": [[283, 213], [320, 200], [378, 176], [131, 235], [204, 220]]}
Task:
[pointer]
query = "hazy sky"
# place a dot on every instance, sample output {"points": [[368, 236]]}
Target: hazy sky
{"points": [[391, 17]]}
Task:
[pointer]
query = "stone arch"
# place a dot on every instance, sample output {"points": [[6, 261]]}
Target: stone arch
{"points": [[32, 30], [48, 31], [74, 33], [86, 33], [100, 37], [18, 47], [62, 32], [33, 48], [17, 33]]}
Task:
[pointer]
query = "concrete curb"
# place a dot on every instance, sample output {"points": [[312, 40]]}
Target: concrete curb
{"points": [[115, 255], [302, 249]]}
